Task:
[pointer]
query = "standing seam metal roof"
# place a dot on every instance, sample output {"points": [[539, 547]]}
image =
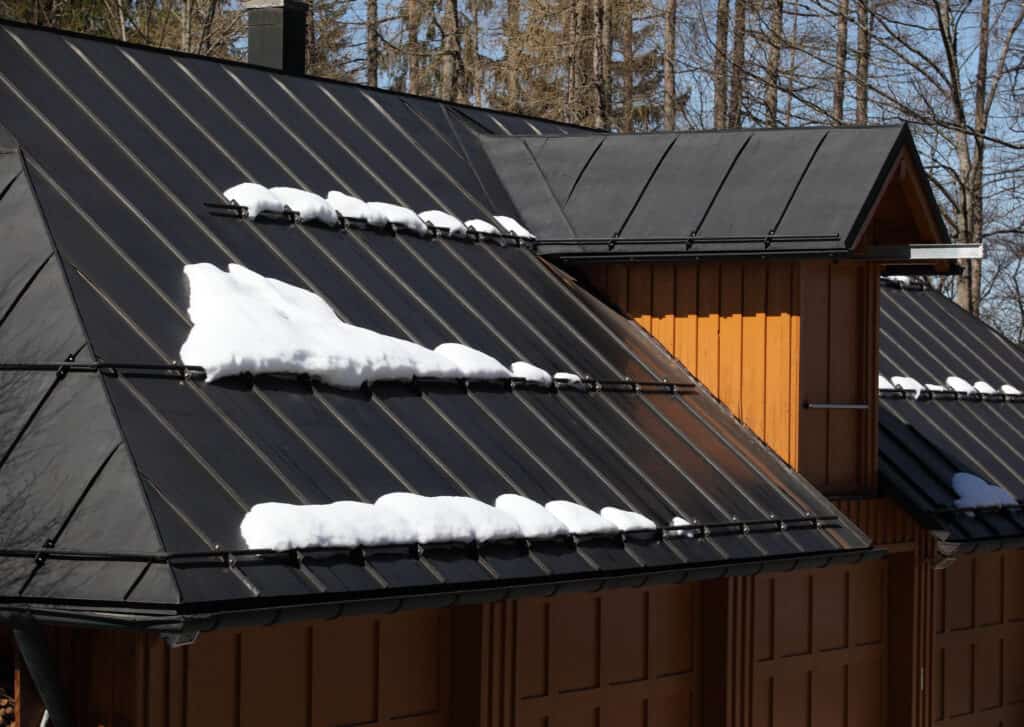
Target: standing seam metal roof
{"points": [[135, 480]]}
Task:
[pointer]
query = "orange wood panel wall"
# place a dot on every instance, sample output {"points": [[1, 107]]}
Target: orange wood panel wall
{"points": [[768, 337], [977, 675], [623, 658]]}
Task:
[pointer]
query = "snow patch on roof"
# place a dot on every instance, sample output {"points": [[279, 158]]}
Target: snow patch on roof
{"points": [[884, 384], [567, 378], [444, 222], [976, 492], [306, 205], [908, 384], [983, 387], [452, 519], [346, 524], [627, 520], [531, 373], [1010, 390], [960, 386], [579, 519], [481, 227], [512, 225], [256, 199], [473, 364], [246, 323], [401, 217], [935, 388], [534, 520], [353, 208]]}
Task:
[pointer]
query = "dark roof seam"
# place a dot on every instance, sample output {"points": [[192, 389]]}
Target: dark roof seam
{"points": [[137, 580], [24, 288], [547, 185], [643, 189], [475, 168], [799, 181], [579, 176], [721, 184], [927, 464], [423, 120], [17, 175], [469, 118], [54, 539]]}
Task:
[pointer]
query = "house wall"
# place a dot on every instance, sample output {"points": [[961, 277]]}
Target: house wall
{"points": [[767, 338]]}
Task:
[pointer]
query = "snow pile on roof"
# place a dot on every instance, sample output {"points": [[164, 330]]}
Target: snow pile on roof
{"points": [[481, 227], [983, 387], [306, 205], [347, 524], [884, 384], [534, 520], [909, 384], [401, 217], [567, 379], [901, 279], [450, 519], [256, 199], [243, 322], [935, 388], [473, 364], [976, 492], [444, 222], [1010, 390], [513, 226], [531, 373], [960, 386], [627, 520], [579, 519], [353, 208]]}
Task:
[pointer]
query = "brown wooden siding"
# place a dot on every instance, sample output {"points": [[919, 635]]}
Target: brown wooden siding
{"points": [[767, 338], [885, 522], [977, 674], [624, 658]]}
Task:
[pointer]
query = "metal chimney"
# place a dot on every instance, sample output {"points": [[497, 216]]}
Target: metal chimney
{"points": [[277, 34]]}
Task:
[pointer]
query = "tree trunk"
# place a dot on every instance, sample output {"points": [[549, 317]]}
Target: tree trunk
{"points": [[739, 42], [791, 73], [512, 55], [669, 68], [628, 64], [721, 64], [863, 58], [839, 82], [372, 44], [597, 66], [771, 95]]}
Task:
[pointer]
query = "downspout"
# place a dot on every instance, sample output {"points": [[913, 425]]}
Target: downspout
{"points": [[35, 652]]}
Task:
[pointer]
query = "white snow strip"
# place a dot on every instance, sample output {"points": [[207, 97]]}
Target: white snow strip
{"points": [[627, 520], [1010, 390], [579, 519], [473, 364], [884, 384], [960, 386], [935, 388], [533, 374], [401, 217], [908, 383], [513, 226], [353, 208], [256, 198], [984, 387], [976, 492], [450, 519], [534, 520], [306, 205], [444, 222], [482, 227], [569, 379], [902, 279], [346, 524], [243, 322], [678, 522]]}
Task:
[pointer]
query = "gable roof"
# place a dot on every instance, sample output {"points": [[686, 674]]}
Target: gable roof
{"points": [[135, 475], [670, 195], [924, 441]]}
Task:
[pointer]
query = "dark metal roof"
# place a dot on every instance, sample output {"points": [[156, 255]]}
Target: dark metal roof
{"points": [[133, 480], [923, 442], [666, 195]]}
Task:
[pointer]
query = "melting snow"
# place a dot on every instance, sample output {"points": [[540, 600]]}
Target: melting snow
{"points": [[884, 384], [256, 198], [1010, 390], [451, 519], [347, 524], [984, 387], [306, 205], [579, 519], [513, 226], [353, 208], [244, 322], [444, 222], [473, 364], [564, 377], [626, 520], [401, 217], [534, 520], [961, 386], [482, 227], [976, 492], [534, 374], [908, 383]]}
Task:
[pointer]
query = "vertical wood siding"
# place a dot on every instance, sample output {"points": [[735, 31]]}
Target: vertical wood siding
{"points": [[885, 522], [977, 674], [623, 658], [767, 337]]}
